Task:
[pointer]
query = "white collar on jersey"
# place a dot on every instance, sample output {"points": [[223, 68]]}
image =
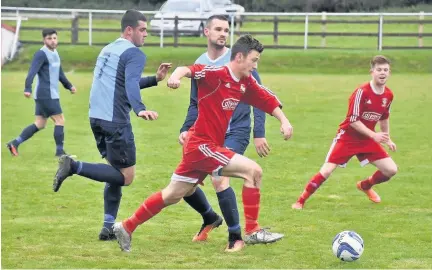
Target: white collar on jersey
{"points": [[220, 57], [232, 74], [376, 91]]}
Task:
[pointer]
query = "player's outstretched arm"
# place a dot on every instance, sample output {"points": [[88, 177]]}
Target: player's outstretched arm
{"points": [[286, 127], [174, 79], [379, 137]]}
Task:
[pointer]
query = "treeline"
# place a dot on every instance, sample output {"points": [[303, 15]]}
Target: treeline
{"points": [[250, 5]]}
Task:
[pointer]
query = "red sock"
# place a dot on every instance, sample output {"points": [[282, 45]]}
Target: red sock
{"points": [[251, 204], [151, 207], [377, 178], [311, 186]]}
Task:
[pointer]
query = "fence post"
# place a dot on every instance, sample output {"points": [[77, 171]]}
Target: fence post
{"points": [[90, 28], [380, 32], [232, 30], [74, 29], [306, 31], [275, 30], [175, 31], [161, 31], [421, 27], [323, 28]]}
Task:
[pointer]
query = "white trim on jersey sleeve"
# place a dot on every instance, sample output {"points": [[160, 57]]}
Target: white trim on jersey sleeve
{"points": [[356, 109]]}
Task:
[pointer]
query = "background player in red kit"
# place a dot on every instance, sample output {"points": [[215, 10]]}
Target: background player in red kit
{"points": [[220, 89], [368, 105]]}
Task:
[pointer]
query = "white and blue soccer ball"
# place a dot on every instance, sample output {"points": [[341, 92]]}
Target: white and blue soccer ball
{"points": [[348, 246]]}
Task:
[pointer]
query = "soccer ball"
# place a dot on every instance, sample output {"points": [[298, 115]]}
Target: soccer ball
{"points": [[348, 246]]}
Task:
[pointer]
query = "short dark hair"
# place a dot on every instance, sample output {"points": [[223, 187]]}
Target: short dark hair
{"points": [[131, 18], [379, 60], [244, 45], [48, 32], [216, 17]]}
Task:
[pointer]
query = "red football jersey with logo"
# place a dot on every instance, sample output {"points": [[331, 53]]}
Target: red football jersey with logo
{"points": [[367, 106], [219, 92]]}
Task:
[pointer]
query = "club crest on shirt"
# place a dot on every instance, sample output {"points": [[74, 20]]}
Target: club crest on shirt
{"points": [[242, 88], [384, 102], [229, 104]]}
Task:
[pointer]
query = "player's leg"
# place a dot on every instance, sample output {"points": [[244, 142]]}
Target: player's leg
{"points": [[59, 122], [198, 201], [247, 169], [314, 183], [29, 131], [117, 145], [338, 155], [227, 198], [173, 193], [387, 168]]}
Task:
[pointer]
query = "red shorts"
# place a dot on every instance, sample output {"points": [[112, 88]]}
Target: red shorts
{"points": [[341, 151], [201, 160]]}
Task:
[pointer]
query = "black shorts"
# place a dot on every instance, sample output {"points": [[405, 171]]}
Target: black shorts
{"points": [[47, 107], [115, 142]]}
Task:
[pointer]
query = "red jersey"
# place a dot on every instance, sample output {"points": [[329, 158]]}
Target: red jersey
{"points": [[368, 107], [219, 92]]}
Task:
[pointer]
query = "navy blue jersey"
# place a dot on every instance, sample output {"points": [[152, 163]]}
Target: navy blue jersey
{"points": [[117, 82], [46, 66], [240, 123]]}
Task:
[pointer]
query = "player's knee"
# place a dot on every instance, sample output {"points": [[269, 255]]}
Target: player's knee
{"points": [[390, 171], [221, 183], [128, 175], [255, 176], [172, 196], [40, 124], [189, 193]]}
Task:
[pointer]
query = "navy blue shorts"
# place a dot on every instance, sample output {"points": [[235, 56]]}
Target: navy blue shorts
{"points": [[115, 142], [237, 143], [47, 107]]}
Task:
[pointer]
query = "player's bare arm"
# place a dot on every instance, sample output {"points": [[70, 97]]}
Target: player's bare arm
{"points": [[385, 127], [174, 79], [286, 127], [379, 137]]}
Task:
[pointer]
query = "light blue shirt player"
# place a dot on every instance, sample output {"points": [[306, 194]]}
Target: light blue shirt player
{"points": [[46, 66], [116, 82]]}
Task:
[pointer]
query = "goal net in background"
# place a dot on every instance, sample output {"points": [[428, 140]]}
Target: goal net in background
{"points": [[10, 38]]}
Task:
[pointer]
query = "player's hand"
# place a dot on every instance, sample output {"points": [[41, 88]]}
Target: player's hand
{"points": [[73, 90], [182, 137], [27, 94], [173, 83], [381, 137], [391, 145], [162, 71], [286, 130], [261, 147], [148, 115]]}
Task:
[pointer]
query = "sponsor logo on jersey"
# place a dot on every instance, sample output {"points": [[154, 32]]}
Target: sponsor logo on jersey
{"points": [[371, 116], [228, 85], [368, 101], [229, 104]]}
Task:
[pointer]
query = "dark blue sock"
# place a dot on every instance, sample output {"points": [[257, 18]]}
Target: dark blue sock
{"points": [[228, 206], [112, 198], [59, 137], [99, 172], [198, 201], [26, 134]]}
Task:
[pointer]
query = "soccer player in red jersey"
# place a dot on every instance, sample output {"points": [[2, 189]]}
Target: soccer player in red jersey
{"points": [[220, 89], [368, 105]]}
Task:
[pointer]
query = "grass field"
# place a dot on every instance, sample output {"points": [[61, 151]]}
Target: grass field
{"points": [[42, 229]]}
